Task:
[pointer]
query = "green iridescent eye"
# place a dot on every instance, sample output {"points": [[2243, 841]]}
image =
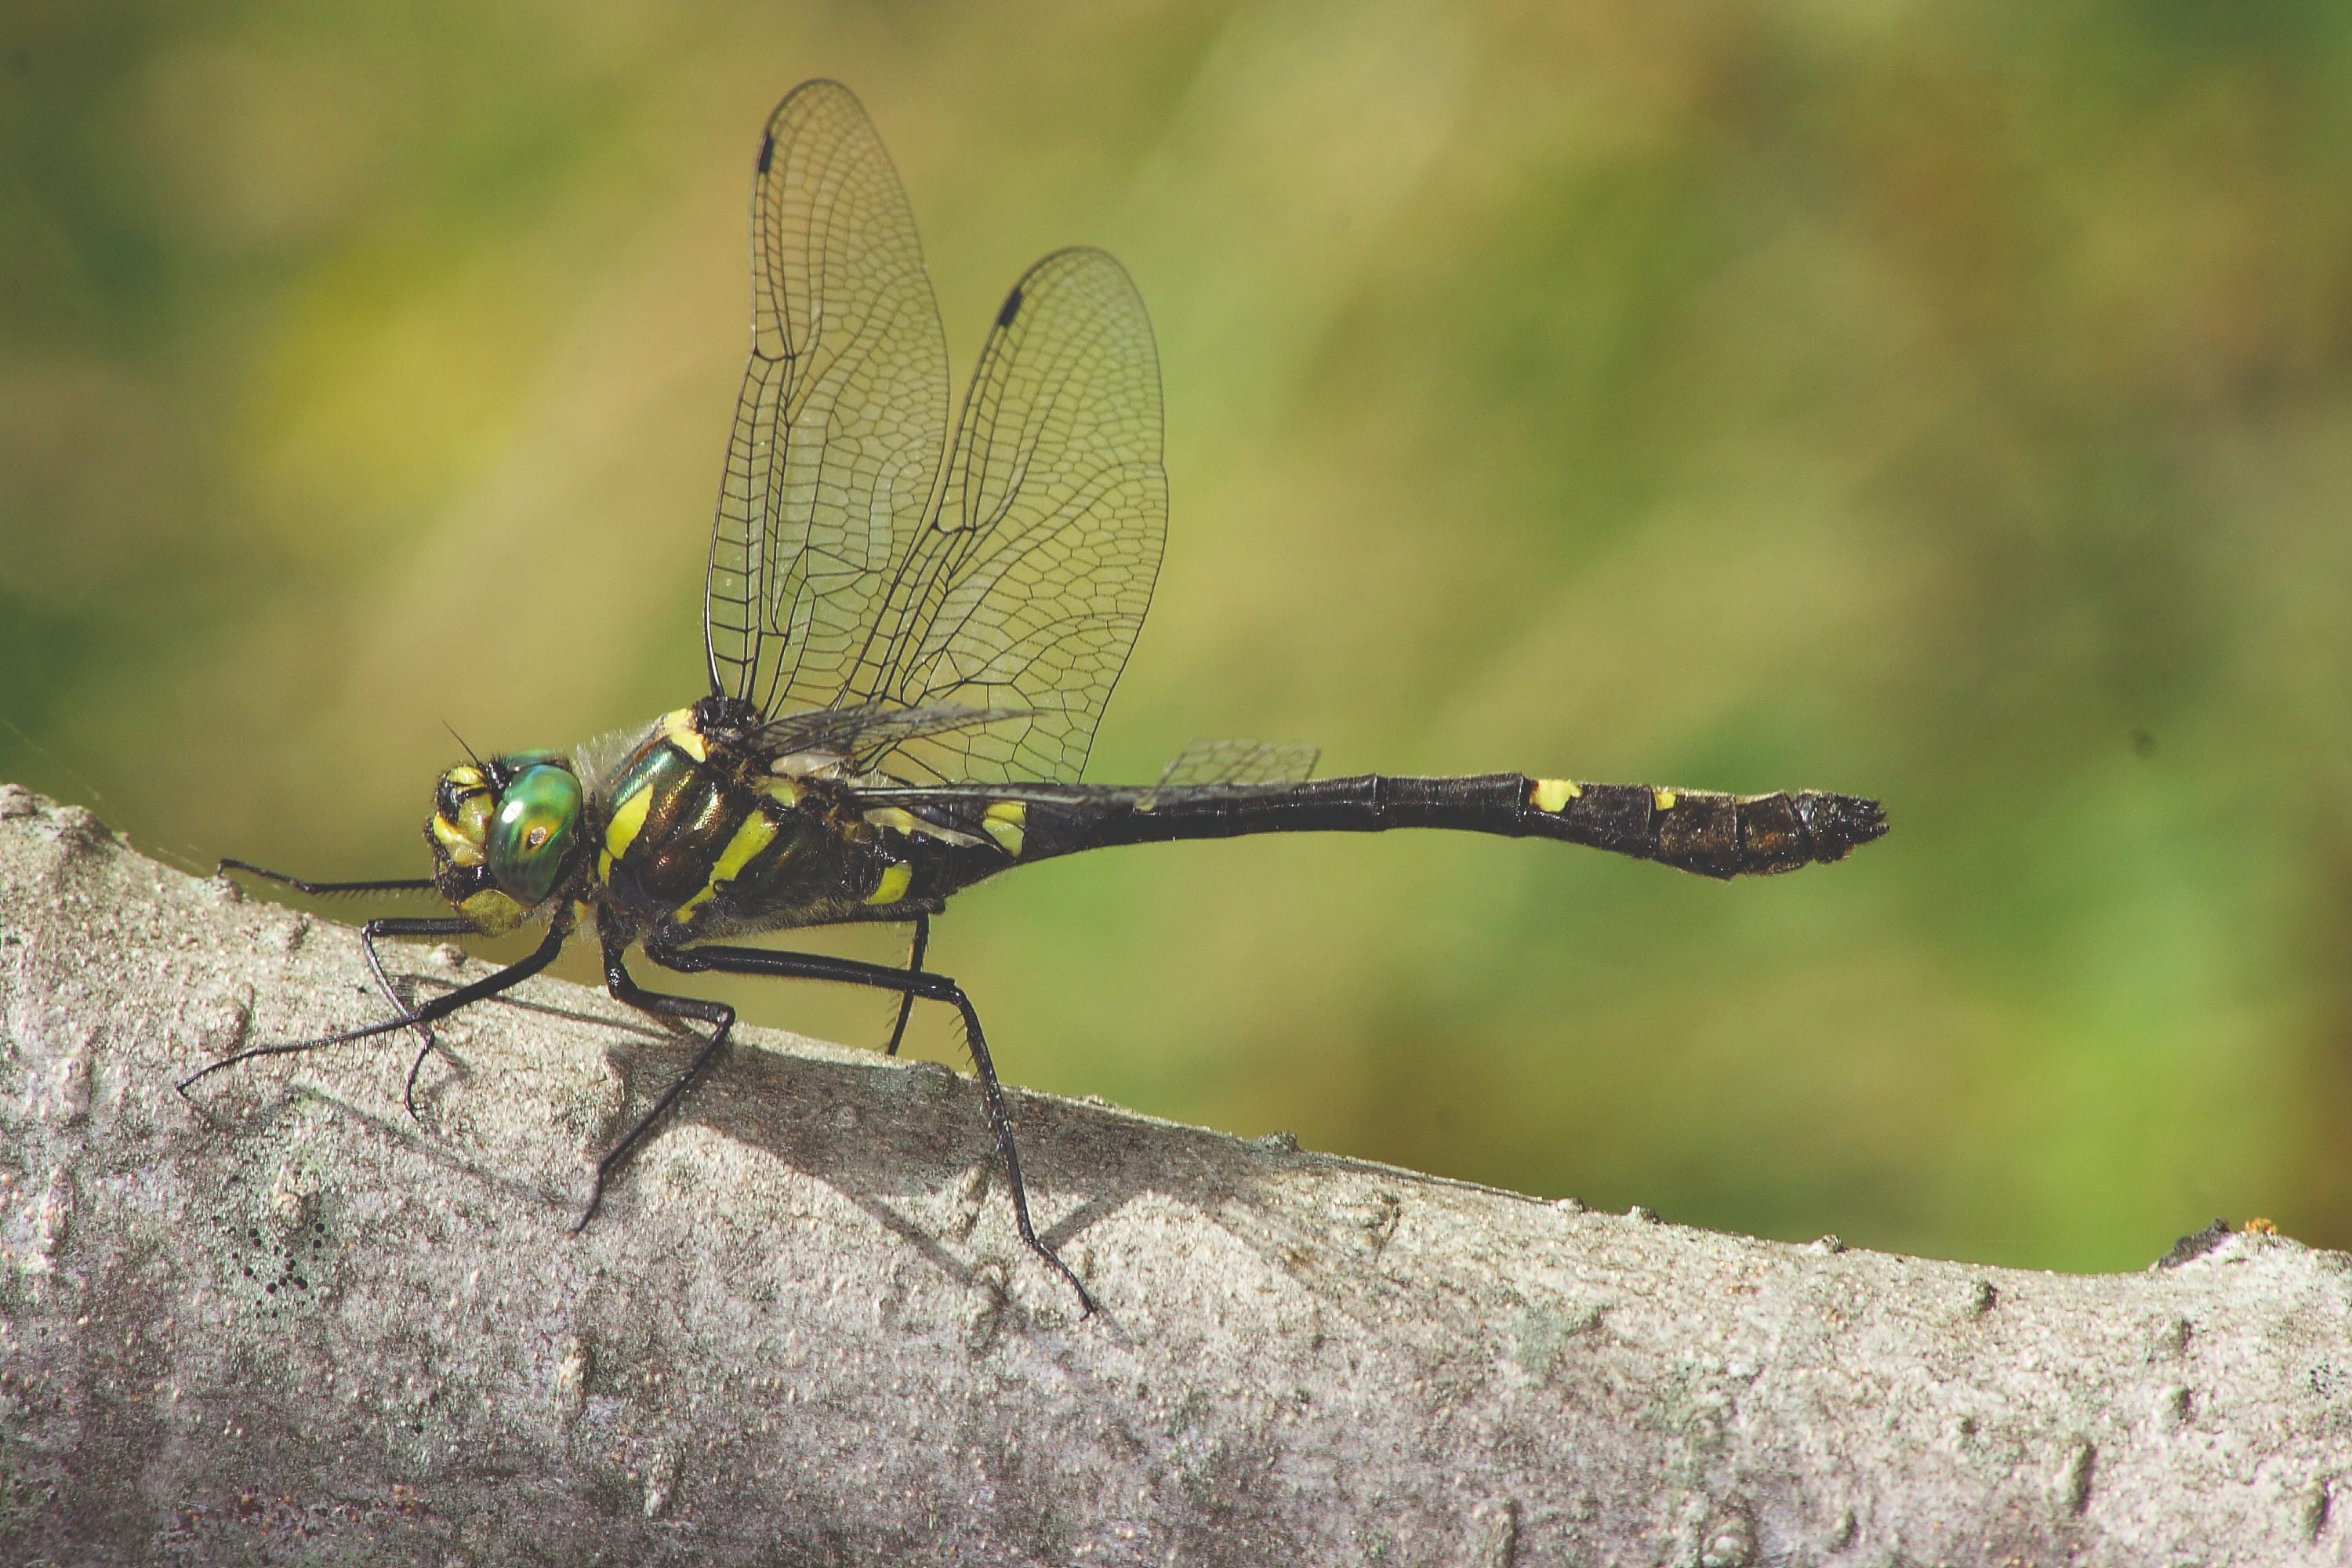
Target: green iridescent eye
{"points": [[532, 834]]}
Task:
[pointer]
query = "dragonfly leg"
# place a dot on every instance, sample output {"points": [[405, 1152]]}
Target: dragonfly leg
{"points": [[452, 925], [440, 1006], [882, 977], [317, 890], [368, 933], [907, 998], [624, 988]]}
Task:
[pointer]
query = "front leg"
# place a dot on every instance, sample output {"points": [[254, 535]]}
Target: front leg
{"points": [[445, 926], [910, 982], [440, 1006], [449, 926], [324, 889]]}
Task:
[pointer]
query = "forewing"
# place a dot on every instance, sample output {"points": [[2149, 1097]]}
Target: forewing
{"points": [[1242, 763], [843, 416], [1024, 594]]}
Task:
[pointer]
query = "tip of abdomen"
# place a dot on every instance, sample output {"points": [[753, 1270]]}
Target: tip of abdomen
{"points": [[1839, 824], [1759, 835]]}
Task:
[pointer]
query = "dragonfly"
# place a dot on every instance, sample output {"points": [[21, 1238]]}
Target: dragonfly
{"points": [[911, 628]]}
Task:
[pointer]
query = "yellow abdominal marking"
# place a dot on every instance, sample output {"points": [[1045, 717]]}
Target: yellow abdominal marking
{"points": [[1007, 822], [1666, 798], [750, 839], [893, 885], [628, 818], [1553, 794], [895, 819], [677, 729]]}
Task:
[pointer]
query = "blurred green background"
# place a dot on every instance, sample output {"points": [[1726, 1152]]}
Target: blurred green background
{"points": [[1946, 402]]}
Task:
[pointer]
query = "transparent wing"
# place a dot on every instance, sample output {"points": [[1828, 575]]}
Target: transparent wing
{"points": [[1241, 762], [843, 416], [864, 734], [1023, 597]]}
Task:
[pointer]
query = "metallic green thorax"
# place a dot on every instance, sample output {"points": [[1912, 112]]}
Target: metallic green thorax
{"points": [[704, 833]]}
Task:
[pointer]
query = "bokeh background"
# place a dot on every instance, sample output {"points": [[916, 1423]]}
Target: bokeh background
{"points": [[1947, 402]]}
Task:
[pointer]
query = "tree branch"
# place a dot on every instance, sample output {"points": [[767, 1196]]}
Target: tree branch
{"points": [[802, 1329]]}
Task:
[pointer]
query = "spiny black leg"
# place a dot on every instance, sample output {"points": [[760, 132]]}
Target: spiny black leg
{"points": [[993, 1093], [914, 966], [447, 926], [916, 983], [440, 1006], [317, 890], [720, 1016], [368, 933]]}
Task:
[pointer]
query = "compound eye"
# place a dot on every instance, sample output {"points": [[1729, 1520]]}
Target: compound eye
{"points": [[532, 833]]}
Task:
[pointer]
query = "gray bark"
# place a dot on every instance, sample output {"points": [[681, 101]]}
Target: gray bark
{"points": [[803, 1332]]}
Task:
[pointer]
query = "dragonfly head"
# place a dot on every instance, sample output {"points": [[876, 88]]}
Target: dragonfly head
{"points": [[505, 836]]}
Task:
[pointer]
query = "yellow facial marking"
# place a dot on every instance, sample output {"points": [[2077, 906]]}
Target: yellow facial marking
{"points": [[754, 835], [1666, 798], [493, 911], [1007, 822], [628, 818], [461, 850], [1552, 794], [893, 885], [472, 819], [677, 729]]}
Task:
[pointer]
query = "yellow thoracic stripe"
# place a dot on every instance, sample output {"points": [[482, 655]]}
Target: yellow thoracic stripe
{"points": [[628, 818], [677, 729], [893, 885], [750, 838], [1007, 822], [1552, 794]]}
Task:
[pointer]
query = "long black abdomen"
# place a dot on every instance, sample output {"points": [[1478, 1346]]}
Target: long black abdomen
{"points": [[1692, 830]]}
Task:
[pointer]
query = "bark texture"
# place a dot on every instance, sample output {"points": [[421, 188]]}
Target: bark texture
{"points": [[802, 1330]]}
